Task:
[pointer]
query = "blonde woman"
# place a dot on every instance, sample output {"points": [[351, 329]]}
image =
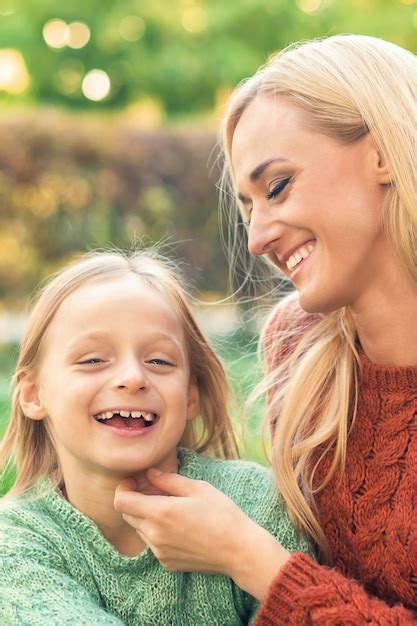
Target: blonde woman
{"points": [[320, 149]]}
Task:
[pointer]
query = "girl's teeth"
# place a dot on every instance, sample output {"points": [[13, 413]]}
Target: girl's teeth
{"points": [[148, 417]]}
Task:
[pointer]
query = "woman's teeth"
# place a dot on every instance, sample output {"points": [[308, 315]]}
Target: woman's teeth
{"points": [[106, 415], [302, 253]]}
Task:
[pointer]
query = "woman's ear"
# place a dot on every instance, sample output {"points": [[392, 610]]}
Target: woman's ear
{"points": [[29, 398], [379, 164], [383, 175], [193, 402]]}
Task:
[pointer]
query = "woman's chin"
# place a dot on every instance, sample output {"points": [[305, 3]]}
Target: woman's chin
{"points": [[319, 302]]}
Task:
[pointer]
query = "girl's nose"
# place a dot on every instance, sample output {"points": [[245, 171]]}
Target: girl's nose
{"points": [[131, 377]]}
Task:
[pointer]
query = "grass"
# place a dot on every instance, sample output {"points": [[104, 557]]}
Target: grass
{"points": [[237, 351], [7, 361]]}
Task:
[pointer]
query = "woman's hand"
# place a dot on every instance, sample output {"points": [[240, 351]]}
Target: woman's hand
{"points": [[202, 530]]}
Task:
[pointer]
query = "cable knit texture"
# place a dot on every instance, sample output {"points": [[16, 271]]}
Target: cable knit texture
{"points": [[369, 516], [57, 568]]}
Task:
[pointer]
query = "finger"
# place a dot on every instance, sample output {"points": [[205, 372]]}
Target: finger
{"points": [[139, 526], [137, 504], [135, 522], [127, 485], [174, 484]]}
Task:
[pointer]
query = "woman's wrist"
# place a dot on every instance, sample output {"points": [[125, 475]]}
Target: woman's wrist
{"points": [[256, 559]]}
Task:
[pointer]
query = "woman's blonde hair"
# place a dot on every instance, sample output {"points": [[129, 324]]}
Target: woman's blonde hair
{"points": [[346, 86], [28, 443]]}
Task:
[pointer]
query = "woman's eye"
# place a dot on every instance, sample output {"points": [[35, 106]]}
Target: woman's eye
{"points": [[246, 218], [278, 188]]}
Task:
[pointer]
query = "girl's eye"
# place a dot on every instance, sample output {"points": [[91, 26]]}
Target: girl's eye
{"points": [[279, 187], [160, 362], [92, 361]]}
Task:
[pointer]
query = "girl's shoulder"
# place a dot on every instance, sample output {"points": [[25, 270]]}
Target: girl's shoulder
{"points": [[252, 487], [223, 474], [30, 506], [247, 483]]}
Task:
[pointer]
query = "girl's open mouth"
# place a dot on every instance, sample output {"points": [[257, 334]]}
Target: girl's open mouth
{"points": [[127, 420]]}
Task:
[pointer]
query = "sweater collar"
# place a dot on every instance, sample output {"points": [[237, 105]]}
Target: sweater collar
{"points": [[388, 378]]}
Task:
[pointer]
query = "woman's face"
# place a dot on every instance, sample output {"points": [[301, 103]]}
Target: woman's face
{"points": [[314, 204]]}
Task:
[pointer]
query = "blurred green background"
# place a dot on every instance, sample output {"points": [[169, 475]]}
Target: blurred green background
{"points": [[109, 113]]}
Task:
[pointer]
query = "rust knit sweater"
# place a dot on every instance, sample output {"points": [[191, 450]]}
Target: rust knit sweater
{"points": [[369, 516]]}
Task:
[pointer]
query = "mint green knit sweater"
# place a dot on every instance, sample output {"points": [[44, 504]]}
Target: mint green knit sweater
{"points": [[57, 568]]}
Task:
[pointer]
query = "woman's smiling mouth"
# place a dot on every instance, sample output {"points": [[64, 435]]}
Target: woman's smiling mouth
{"points": [[302, 253]]}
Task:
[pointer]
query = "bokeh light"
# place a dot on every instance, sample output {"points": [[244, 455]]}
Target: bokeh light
{"points": [[55, 33], [132, 27], [96, 85], [194, 19], [70, 75], [14, 77], [309, 6], [78, 35]]}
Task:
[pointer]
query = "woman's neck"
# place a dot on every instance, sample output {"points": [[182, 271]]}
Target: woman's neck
{"points": [[386, 322]]}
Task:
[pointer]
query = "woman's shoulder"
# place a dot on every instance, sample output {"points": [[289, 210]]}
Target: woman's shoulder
{"points": [[284, 327], [288, 317]]}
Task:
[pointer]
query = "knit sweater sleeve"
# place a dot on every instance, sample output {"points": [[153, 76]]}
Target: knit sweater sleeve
{"points": [[305, 592], [36, 590], [274, 518]]}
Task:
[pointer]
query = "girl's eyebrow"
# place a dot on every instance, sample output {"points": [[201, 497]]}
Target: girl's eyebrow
{"points": [[86, 338], [165, 338], [91, 337]]}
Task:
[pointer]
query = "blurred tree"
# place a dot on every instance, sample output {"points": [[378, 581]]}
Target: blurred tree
{"points": [[68, 184], [181, 53]]}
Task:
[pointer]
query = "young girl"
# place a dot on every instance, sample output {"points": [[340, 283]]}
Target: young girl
{"points": [[113, 375]]}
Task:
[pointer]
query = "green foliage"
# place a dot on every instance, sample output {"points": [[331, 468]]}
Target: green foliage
{"points": [[182, 53], [69, 183]]}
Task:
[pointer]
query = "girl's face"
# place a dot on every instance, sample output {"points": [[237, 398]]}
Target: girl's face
{"points": [[314, 205], [114, 380]]}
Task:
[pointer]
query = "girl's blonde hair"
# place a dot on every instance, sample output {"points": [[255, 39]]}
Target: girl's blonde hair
{"points": [[28, 443], [346, 86]]}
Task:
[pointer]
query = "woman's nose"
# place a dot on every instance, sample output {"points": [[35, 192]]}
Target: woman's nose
{"points": [[263, 234]]}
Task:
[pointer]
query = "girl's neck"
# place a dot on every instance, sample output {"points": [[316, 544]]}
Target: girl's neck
{"points": [[92, 493]]}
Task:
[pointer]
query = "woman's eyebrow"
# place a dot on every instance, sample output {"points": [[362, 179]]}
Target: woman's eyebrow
{"points": [[259, 169]]}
